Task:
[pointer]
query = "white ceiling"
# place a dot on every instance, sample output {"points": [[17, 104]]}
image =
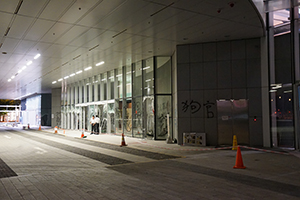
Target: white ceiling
{"points": [[71, 35]]}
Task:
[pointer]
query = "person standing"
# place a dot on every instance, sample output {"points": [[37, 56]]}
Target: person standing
{"points": [[92, 122], [97, 123]]}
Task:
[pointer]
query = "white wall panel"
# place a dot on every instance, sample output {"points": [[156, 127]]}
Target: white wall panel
{"points": [[196, 76], [210, 75], [224, 74], [209, 52], [239, 73], [183, 77], [238, 49], [223, 51]]}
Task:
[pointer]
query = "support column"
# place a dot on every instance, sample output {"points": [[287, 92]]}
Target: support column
{"points": [[294, 16], [271, 61]]}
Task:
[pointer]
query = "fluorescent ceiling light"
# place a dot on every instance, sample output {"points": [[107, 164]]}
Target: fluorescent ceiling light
{"points": [[66, 77], [60, 79], [37, 56], [72, 74], [29, 63], [20, 71], [79, 72], [9, 80], [146, 68], [12, 77], [88, 68], [119, 75], [111, 77], [54, 82], [24, 67], [100, 63]]}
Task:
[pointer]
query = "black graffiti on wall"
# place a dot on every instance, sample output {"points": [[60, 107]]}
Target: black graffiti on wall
{"points": [[195, 106]]}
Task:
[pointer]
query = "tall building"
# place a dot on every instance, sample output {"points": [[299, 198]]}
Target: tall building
{"points": [[158, 69]]}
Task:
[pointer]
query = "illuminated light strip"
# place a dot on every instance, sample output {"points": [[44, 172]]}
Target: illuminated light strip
{"points": [[37, 56], [88, 68], [100, 63]]}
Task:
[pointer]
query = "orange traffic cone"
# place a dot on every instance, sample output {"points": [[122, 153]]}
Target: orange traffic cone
{"points": [[55, 129], [82, 134], [64, 132], [123, 141], [239, 160], [40, 128]]}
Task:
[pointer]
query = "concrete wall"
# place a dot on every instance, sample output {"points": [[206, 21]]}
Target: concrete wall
{"points": [[56, 107], [217, 70], [46, 109]]}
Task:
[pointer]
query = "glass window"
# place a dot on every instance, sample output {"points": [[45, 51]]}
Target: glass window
{"points": [[137, 117], [111, 84], [282, 120], [128, 81], [163, 108], [163, 75], [103, 85], [119, 83], [119, 116], [127, 117], [148, 107], [137, 79], [148, 77]]}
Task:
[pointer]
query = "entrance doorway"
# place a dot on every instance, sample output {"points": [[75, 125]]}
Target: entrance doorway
{"points": [[233, 120]]}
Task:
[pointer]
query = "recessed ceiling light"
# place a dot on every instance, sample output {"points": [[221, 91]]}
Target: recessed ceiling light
{"points": [[100, 63], [37, 56], [79, 72], [88, 68]]}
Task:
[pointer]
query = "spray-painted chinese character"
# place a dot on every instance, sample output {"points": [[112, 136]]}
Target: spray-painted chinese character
{"points": [[209, 113], [194, 105]]}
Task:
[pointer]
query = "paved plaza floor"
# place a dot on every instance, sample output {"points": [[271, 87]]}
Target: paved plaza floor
{"points": [[43, 165]]}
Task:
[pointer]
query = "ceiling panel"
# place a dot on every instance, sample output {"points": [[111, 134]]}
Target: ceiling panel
{"points": [[72, 35], [5, 20], [86, 37], [99, 12], [8, 6], [32, 8], [9, 45], [122, 13], [24, 46], [56, 8], [20, 26], [39, 29], [56, 32], [77, 11], [40, 48]]}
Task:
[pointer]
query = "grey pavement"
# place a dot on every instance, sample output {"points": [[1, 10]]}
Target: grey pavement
{"points": [[43, 165]]}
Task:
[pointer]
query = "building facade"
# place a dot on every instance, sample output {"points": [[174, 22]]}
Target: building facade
{"points": [[247, 87]]}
